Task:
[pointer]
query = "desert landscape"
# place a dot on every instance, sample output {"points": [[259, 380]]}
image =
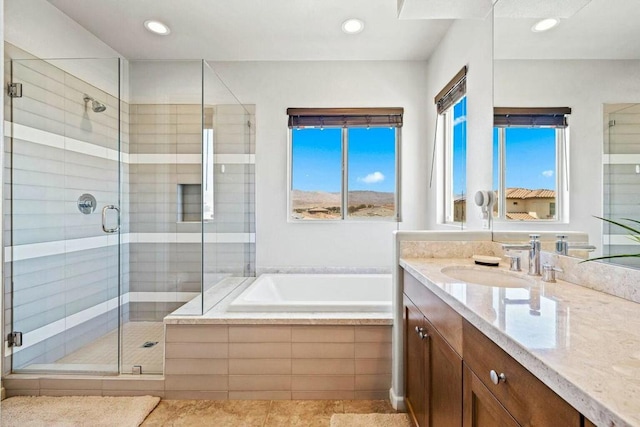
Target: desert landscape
{"points": [[324, 205]]}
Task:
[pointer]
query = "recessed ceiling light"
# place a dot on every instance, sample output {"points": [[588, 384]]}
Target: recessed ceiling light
{"points": [[157, 27], [545, 24], [352, 26]]}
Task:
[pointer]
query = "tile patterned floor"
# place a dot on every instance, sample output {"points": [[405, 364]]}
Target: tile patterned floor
{"points": [[103, 350], [258, 413]]}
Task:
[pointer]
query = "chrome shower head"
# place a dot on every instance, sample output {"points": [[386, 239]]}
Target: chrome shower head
{"points": [[96, 106]]}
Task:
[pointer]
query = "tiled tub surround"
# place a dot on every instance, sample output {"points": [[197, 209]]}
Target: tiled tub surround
{"points": [[277, 361], [61, 275], [277, 355], [224, 355], [585, 344]]}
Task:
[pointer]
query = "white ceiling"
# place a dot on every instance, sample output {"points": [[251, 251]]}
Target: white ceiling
{"points": [[596, 29], [238, 30]]}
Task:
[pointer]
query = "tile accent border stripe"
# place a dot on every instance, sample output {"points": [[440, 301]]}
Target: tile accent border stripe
{"points": [[620, 159], [59, 247], [50, 139], [38, 335], [618, 240], [237, 159], [162, 296], [59, 326], [37, 136]]}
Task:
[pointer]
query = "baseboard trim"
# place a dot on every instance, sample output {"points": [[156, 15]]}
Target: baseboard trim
{"points": [[397, 401]]}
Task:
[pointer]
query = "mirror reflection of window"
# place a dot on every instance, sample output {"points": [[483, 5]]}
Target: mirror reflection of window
{"points": [[456, 166], [529, 163]]}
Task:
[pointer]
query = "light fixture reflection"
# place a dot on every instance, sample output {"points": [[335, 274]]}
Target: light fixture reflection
{"points": [[545, 25], [157, 27]]}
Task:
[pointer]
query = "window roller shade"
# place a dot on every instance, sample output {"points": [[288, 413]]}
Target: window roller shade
{"points": [[452, 92], [531, 117], [345, 117]]}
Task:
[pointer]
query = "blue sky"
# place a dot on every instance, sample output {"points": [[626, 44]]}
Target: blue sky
{"points": [[530, 158], [460, 147], [317, 159]]}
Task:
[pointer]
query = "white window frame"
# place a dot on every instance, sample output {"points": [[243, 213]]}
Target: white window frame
{"points": [[345, 183], [562, 179]]}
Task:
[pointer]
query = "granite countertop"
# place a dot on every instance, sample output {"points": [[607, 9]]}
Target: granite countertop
{"points": [[583, 344]]}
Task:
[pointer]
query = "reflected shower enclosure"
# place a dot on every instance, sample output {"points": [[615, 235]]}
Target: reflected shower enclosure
{"points": [[129, 194]]}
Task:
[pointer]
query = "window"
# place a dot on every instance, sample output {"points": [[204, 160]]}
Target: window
{"points": [[530, 163], [451, 104], [343, 163], [455, 120]]}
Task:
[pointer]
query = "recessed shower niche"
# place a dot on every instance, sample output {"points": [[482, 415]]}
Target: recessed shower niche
{"points": [[189, 200]]}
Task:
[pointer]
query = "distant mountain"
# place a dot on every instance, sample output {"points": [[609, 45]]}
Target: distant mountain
{"points": [[371, 198], [310, 199]]}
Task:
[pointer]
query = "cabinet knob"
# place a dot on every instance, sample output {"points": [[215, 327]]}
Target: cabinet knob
{"points": [[497, 378], [421, 333]]}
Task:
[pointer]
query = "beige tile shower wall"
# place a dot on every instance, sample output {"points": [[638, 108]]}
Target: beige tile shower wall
{"points": [[166, 144], [162, 265], [277, 362], [60, 156]]}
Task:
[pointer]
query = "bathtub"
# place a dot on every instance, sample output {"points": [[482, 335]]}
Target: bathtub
{"points": [[316, 292]]}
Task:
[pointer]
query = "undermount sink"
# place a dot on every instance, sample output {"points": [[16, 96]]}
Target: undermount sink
{"points": [[487, 277]]}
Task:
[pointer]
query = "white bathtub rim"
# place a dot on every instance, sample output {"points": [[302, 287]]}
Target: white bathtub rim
{"points": [[243, 302]]}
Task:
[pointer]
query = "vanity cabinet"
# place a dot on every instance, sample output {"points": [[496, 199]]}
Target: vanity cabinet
{"points": [[527, 399], [434, 369], [481, 408], [457, 376]]}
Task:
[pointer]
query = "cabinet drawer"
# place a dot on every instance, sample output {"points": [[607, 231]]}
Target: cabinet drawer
{"points": [[526, 398], [447, 322]]}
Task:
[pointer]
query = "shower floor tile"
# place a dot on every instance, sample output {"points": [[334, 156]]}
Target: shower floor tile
{"points": [[103, 351]]}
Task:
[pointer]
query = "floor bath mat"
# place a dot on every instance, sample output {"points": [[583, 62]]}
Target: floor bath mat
{"points": [[67, 411]]}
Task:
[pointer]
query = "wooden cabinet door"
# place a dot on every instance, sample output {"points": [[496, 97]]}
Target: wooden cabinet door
{"points": [[414, 351], [444, 377], [481, 408]]}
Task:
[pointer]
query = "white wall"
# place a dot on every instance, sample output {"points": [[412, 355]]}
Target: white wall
{"points": [[38, 27], [583, 85], [275, 86], [468, 42]]}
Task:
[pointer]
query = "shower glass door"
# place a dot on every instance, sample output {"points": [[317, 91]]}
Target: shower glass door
{"points": [[63, 190]]}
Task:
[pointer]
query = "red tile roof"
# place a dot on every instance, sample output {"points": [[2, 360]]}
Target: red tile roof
{"points": [[520, 215], [525, 193]]}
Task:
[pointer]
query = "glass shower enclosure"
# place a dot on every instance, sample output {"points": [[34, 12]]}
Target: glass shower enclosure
{"points": [[128, 196], [621, 180]]}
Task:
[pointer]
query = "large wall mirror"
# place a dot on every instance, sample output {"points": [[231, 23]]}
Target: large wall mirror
{"points": [[588, 61]]}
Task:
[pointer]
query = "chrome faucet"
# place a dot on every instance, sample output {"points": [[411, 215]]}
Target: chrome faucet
{"points": [[563, 247], [534, 253]]}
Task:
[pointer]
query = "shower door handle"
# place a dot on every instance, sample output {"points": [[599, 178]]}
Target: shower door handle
{"points": [[104, 219]]}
